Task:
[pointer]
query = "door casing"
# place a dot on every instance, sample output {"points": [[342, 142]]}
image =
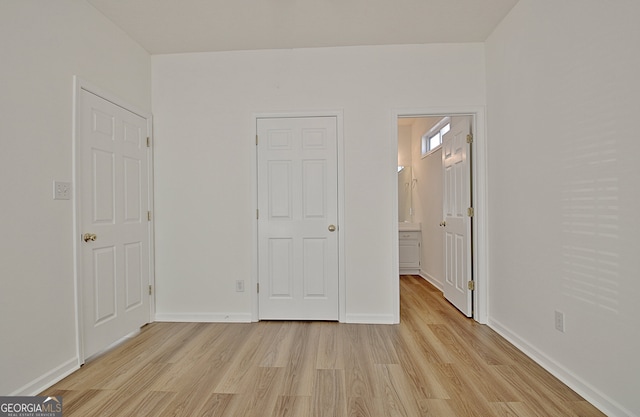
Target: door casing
{"points": [[479, 243], [341, 218], [80, 85]]}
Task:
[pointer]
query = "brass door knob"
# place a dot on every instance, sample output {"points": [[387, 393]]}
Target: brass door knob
{"points": [[443, 224], [89, 237], [332, 228]]}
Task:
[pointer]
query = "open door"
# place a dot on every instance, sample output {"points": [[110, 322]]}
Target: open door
{"points": [[458, 213], [114, 198]]}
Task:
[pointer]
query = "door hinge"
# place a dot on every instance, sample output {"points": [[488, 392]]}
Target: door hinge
{"points": [[150, 290], [470, 138], [256, 140], [148, 142], [470, 212], [148, 215], [471, 285], [257, 214], [258, 287]]}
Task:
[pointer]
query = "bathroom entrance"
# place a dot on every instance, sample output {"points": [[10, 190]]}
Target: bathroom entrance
{"points": [[436, 203]]}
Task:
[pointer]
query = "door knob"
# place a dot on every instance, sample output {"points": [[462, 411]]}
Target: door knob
{"points": [[443, 224], [332, 228], [89, 237]]}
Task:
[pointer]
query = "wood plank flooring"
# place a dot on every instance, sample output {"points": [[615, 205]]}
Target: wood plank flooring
{"points": [[435, 363]]}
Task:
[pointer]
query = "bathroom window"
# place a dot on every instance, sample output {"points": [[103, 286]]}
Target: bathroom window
{"points": [[432, 140]]}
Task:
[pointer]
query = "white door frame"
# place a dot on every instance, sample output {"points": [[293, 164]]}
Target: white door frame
{"points": [[79, 85], [480, 240], [338, 114]]}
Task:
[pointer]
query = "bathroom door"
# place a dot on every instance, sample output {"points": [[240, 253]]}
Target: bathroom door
{"points": [[297, 218], [456, 159]]}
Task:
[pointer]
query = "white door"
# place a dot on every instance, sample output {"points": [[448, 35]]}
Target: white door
{"points": [[113, 207], [457, 219], [297, 218]]}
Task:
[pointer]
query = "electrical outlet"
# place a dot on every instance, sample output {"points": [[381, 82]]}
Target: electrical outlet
{"points": [[559, 321], [239, 285], [61, 190]]}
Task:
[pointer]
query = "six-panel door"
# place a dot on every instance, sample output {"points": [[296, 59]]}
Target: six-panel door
{"points": [[456, 200], [114, 193], [298, 218]]}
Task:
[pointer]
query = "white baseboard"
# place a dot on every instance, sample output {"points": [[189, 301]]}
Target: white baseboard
{"points": [[40, 384], [436, 283], [205, 317], [370, 319], [246, 318], [584, 389]]}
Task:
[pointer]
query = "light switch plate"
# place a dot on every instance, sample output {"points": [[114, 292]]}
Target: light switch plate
{"points": [[61, 190]]}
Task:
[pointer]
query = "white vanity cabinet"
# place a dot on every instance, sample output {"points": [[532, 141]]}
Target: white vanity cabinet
{"points": [[409, 243]]}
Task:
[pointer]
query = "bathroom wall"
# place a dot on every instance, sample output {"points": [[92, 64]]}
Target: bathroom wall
{"points": [[427, 202], [405, 176]]}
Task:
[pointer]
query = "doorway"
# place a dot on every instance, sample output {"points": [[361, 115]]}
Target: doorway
{"points": [[428, 175]]}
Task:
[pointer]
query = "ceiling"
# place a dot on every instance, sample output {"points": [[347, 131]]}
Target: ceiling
{"points": [[177, 26]]}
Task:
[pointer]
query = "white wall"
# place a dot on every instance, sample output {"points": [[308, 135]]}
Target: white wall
{"points": [[563, 102], [43, 44], [404, 145], [428, 202], [404, 176], [204, 149]]}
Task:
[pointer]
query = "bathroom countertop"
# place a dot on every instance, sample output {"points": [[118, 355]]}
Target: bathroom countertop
{"points": [[408, 227]]}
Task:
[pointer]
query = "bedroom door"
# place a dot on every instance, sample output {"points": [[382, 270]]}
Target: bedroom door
{"points": [[114, 222]]}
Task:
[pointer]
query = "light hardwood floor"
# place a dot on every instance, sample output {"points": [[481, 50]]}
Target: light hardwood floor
{"points": [[434, 363]]}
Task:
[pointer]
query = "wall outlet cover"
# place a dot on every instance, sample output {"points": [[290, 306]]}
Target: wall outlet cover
{"points": [[559, 321]]}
